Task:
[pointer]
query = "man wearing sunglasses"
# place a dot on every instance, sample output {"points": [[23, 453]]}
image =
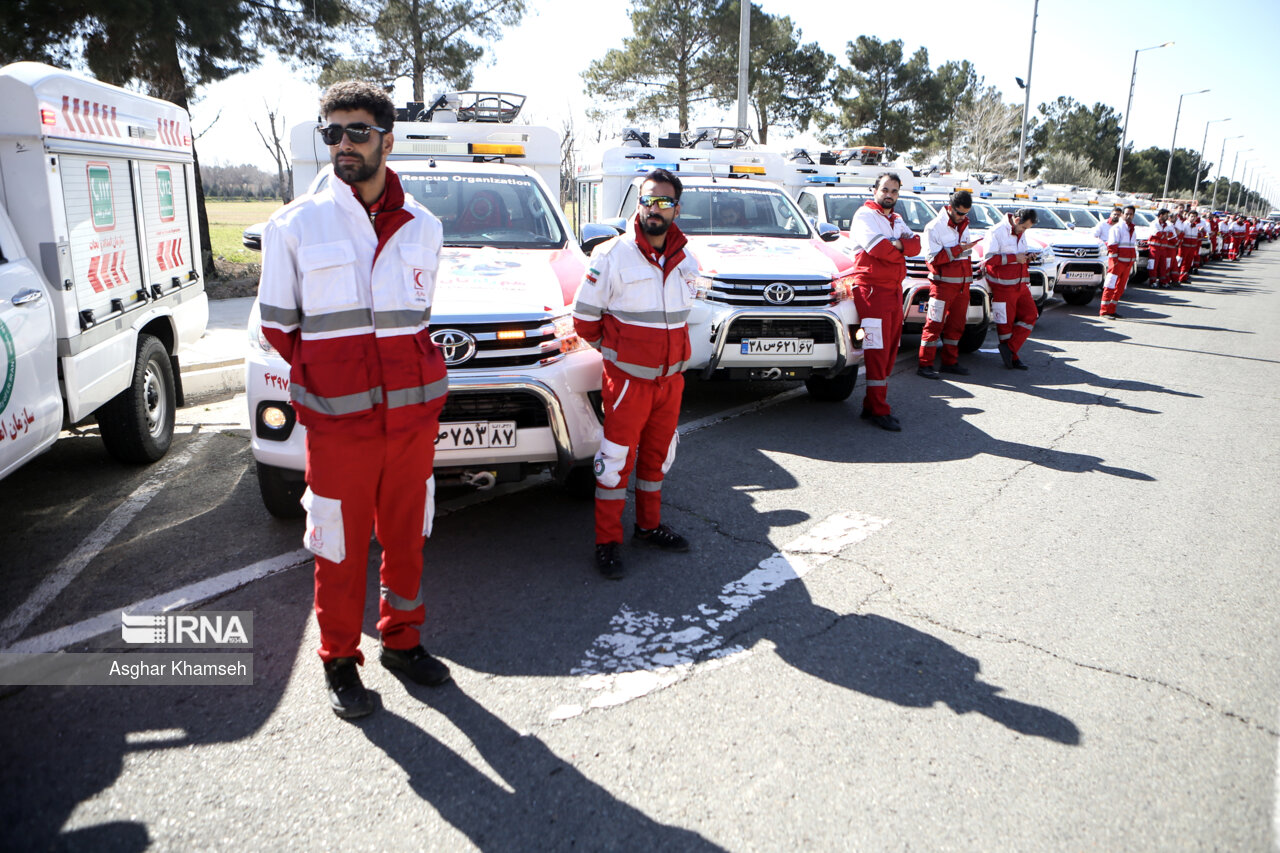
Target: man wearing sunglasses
{"points": [[633, 305], [348, 275], [950, 276]]}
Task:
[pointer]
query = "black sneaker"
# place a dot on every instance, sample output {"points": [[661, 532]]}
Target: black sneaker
{"points": [[347, 695], [1017, 365], [885, 422], [416, 665], [927, 372], [1006, 355], [609, 560], [956, 369], [660, 537]]}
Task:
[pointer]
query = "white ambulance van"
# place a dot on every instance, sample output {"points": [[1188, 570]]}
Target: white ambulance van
{"points": [[774, 292], [524, 390], [99, 263]]}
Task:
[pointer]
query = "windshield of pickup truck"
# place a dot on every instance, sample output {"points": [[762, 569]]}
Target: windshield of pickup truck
{"points": [[841, 208], [503, 211], [1081, 218], [984, 216], [1141, 217], [1045, 218], [758, 211]]}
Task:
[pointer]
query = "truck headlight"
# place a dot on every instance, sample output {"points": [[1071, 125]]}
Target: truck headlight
{"points": [[841, 288], [567, 335], [702, 287], [257, 340]]}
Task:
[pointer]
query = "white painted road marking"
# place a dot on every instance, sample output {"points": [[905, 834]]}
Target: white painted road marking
{"points": [[644, 651], [70, 568]]}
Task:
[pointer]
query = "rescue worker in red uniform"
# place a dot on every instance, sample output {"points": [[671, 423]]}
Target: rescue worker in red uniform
{"points": [[348, 275], [1188, 246], [1202, 232], [1215, 237], [1007, 274], [1162, 245], [1122, 254], [884, 241], [633, 305], [950, 276]]}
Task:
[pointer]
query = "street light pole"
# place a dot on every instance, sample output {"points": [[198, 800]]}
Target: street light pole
{"points": [[1124, 136], [1231, 181], [1168, 173], [1243, 201], [1026, 104], [1200, 156], [1225, 140], [744, 57]]}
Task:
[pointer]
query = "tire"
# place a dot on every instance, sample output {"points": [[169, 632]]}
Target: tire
{"points": [[281, 491], [832, 390], [973, 337], [137, 424], [581, 482], [1077, 297]]}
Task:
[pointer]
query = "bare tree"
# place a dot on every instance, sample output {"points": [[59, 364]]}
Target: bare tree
{"points": [[275, 146], [568, 158], [990, 129]]}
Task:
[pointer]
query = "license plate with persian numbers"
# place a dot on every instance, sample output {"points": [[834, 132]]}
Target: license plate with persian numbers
{"points": [[1081, 276], [476, 435], [777, 346]]}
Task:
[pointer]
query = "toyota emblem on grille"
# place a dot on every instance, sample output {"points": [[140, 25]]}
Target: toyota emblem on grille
{"points": [[779, 293], [456, 346], [1082, 253]]}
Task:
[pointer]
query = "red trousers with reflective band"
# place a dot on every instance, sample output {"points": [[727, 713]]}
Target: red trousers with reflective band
{"points": [[1019, 313], [640, 418], [879, 346], [944, 333], [382, 484], [1186, 259], [1113, 286], [1161, 271]]}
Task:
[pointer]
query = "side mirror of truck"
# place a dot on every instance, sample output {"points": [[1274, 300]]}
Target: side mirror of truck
{"points": [[595, 233], [828, 232]]}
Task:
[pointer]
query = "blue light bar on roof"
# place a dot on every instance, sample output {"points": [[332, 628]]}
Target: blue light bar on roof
{"points": [[985, 194], [919, 188], [821, 179], [649, 167]]}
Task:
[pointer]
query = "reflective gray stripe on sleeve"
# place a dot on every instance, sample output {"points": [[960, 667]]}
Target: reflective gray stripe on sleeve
{"points": [[347, 404], [399, 603], [874, 240], [671, 318], [409, 319], [587, 312], [951, 279], [1026, 326], [877, 383], [635, 370], [419, 394], [678, 367], [995, 280], [288, 317], [648, 485], [357, 318], [603, 494]]}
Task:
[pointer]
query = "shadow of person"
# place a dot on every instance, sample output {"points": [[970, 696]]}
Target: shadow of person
{"points": [[551, 805], [888, 660]]}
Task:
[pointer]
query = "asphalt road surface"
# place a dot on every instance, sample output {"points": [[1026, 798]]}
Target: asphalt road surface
{"points": [[1045, 616]]}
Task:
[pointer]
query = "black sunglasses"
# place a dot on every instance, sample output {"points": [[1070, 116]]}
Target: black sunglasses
{"points": [[357, 132]]}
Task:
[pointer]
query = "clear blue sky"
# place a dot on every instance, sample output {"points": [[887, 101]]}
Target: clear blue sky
{"points": [[1084, 49]]}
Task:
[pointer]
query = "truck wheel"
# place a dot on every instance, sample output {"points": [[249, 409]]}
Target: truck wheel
{"points": [[137, 424], [581, 482], [1077, 297], [281, 491], [972, 337], [832, 390]]}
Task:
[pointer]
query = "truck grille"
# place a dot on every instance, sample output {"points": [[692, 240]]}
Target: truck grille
{"points": [[917, 268], [538, 342], [1068, 252], [821, 331], [810, 291], [526, 409]]}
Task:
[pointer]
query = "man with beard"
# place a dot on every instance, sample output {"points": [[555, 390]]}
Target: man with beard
{"points": [[950, 275], [884, 242], [348, 275], [1005, 264], [1102, 231], [1122, 254], [633, 305]]}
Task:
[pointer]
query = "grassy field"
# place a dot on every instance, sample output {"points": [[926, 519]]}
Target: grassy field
{"points": [[227, 219]]}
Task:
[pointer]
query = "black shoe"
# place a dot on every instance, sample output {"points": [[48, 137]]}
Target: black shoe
{"points": [[927, 372], [416, 665], [1115, 315], [1017, 365], [1006, 355], [885, 422], [660, 537], [609, 561], [956, 369], [347, 695]]}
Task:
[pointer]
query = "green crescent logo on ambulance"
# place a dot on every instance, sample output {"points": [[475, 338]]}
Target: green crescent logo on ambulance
{"points": [[102, 206], [10, 366]]}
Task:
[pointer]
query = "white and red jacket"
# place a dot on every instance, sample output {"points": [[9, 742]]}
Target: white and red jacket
{"points": [[1102, 231], [877, 263], [348, 306], [1164, 237], [1122, 243], [946, 265], [634, 302], [1001, 260]]}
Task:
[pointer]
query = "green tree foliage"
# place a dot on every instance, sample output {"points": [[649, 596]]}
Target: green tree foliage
{"points": [[946, 96], [788, 81], [1073, 128], [1144, 171], [887, 95], [668, 63], [1061, 167], [437, 40]]}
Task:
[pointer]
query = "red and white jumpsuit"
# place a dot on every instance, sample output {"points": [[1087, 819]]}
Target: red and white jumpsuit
{"points": [[1122, 254], [950, 276], [878, 272], [1188, 249], [633, 305], [1162, 246], [1012, 305], [1215, 239], [345, 298], [1235, 237], [1202, 232]]}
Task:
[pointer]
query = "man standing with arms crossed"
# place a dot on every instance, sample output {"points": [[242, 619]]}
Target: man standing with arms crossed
{"points": [[1122, 254], [1102, 231], [633, 305], [950, 275], [1162, 246], [1008, 277], [884, 242], [348, 275]]}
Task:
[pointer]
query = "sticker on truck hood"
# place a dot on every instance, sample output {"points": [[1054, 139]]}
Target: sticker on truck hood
{"points": [[498, 281], [746, 255]]}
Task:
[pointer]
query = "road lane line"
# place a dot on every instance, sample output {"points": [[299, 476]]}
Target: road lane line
{"points": [[645, 651], [178, 599], [72, 565]]}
